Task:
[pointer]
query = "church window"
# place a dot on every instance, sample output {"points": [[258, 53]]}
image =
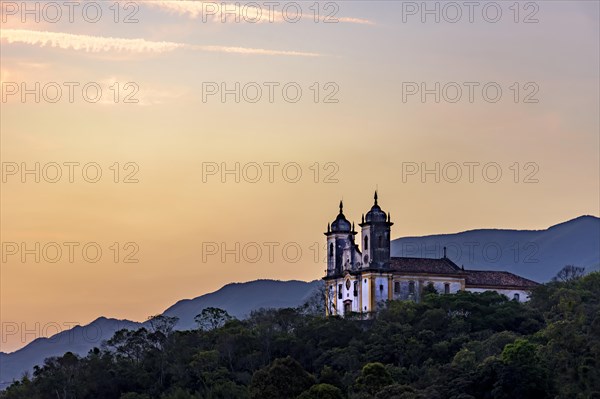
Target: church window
{"points": [[397, 287], [330, 250], [380, 287], [340, 291], [366, 243], [356, 288], [446, 288], [516, 297], [411, 287], [380, 241]]}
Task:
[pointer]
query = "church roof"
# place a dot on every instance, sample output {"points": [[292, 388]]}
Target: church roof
{"points": [[473, 278], [489, 278], [376, 214], [424, 265], [340, 224]]}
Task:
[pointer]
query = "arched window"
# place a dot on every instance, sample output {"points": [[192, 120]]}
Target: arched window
{"points": [[516, 297], [366, 243], [446, 288], [380, 241], [330, 250]]}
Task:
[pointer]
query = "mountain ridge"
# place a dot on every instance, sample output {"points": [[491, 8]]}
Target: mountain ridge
{"points": [[81, 338], [534, 254], [591, 217]]}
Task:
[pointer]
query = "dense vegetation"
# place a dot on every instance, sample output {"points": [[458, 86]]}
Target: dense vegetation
{"points": [[448, 346]]}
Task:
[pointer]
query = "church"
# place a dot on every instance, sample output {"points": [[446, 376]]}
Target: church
{"points": [[362, 281]]}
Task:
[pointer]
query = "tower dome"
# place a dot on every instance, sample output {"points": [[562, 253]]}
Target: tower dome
{"points": [[376, 214], [341, 224]]}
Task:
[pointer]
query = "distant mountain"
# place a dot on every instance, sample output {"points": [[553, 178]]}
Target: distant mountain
{"points": [[239, 299], [535, 254], [79, 340]]}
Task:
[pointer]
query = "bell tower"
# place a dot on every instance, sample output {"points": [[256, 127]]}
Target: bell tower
{"points": [[340, 244], [375, 238]]}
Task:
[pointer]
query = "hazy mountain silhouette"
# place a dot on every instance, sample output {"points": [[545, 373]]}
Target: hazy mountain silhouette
{"points": [[239, 299], [79, 339], [535, 254]]}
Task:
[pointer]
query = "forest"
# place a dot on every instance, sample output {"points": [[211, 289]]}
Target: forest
{"points": [[458, 346]]}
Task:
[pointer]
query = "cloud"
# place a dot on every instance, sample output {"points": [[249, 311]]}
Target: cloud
{"points": [[103, 44], [253, 51], [233, 12], [93, 44], [356, 21]]}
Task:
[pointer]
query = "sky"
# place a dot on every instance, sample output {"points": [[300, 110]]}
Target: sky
{"points": [[154, 151]]}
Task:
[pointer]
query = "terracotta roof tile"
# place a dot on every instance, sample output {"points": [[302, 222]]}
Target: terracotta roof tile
{"points": [[488, 278], [424, 265]]}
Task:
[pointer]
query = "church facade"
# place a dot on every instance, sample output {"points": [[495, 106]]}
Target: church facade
{"points": [[362, 281]]}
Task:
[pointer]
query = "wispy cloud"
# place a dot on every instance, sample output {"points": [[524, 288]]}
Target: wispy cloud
{"points": [[93, 44], [97, 44], [228, 12], [356, 21], [253, 51]]}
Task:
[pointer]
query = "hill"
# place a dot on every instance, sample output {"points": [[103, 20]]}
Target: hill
{"points": [[239, 299]]}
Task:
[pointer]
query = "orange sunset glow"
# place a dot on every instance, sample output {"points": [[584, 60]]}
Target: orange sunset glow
{"points": [[162, 149]]}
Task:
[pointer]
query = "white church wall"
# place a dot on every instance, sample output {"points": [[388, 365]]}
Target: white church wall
{"points": [[381, 289], [420, 283], [347, 294], [366, 295]]}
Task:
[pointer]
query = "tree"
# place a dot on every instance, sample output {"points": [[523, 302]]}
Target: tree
{"points": [[134, 395], [322, 391], [429, 289], [284, 378], [330, 377], [211, 318], [315, 303], [373, 378], [161, 328], [464, 359], [130, 344], [161, 324], [522, 375], [397, 391], [179, 393], [569, 273]]}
